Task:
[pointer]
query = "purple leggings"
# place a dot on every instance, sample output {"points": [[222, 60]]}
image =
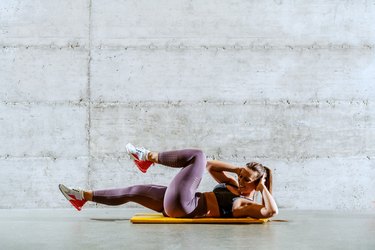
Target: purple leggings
{"points": [[179, 199]]}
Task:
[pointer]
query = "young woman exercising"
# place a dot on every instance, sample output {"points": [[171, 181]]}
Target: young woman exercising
{"points": [[230, 198]]}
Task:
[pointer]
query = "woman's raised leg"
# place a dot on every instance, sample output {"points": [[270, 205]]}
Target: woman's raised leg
{"points": [[181, 198]]}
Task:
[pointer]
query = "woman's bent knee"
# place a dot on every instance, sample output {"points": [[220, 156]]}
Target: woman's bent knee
{"points": [[199, 154]]}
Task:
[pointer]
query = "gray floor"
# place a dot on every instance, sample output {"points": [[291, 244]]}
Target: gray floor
{"points": [[111, 229]]}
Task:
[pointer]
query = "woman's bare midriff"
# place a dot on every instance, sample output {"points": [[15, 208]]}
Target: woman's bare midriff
{"points": [[212, 205]]}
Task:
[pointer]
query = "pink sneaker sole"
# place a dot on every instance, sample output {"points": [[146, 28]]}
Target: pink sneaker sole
{"points": [[143, 165], [78, 204]]}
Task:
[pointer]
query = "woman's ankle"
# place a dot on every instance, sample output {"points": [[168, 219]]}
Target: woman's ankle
{"points": [[87, 195], [153, 157]]}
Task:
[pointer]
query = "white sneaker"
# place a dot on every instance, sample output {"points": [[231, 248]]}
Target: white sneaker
{"points": [[139, 155], [74, 196]]}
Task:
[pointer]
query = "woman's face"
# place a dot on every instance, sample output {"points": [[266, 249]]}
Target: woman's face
{"points": [[246, 180]]}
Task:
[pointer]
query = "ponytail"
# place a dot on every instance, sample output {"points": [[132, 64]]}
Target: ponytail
{"points": [[268, 182]]}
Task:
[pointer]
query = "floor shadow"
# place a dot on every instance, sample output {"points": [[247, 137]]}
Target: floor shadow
{"points": [[109, 219]]}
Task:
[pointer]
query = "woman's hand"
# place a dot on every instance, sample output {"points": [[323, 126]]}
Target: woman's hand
{"points": [[261, 184]]}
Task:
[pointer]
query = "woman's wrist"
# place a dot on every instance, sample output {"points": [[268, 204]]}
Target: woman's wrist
{"points": [[260, 187]]}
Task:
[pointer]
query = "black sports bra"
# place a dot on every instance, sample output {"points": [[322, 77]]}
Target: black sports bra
{"points": [[224, 199]]}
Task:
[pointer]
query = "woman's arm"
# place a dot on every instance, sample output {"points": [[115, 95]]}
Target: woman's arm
{"points": [[217, 170], [246, 208]]}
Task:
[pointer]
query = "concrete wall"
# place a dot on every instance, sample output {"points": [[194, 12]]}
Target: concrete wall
{"points": [[286, 83]]}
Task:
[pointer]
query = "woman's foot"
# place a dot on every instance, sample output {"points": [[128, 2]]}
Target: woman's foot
{"points": [[74, 196], [140, 157]]}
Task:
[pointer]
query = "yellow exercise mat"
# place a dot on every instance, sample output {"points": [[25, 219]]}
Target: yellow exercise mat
{"points": [[157, 218]]}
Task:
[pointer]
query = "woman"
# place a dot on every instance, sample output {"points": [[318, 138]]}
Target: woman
{"points": [[231, 198]]}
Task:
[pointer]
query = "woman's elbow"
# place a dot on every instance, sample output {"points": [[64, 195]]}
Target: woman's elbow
{"points": [[208, 168], [276, 211], [272, 212], [208, 164]]}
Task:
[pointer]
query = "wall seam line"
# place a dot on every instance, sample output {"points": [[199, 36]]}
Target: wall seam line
{"points": [[89, 100]]}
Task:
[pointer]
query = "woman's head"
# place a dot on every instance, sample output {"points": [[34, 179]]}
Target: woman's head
{"points": [[251, 175]]}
